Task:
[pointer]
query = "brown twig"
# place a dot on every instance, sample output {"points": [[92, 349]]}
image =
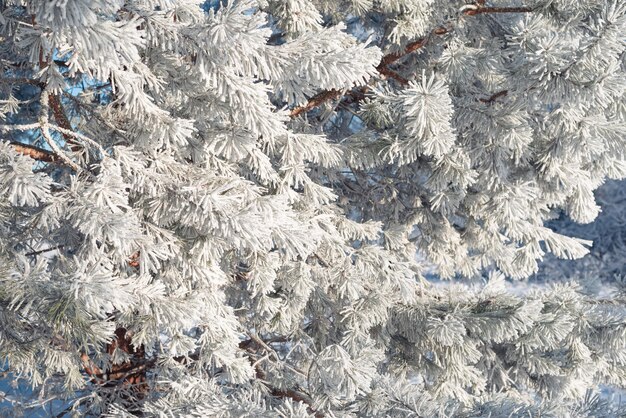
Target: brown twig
{"points": [[485, 10], [36, 153], [392, 74], [61, 118], [315, 101], [409, 48], [494, 96]]}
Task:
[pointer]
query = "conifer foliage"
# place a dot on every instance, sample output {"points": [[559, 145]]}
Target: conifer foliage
{"points": [[216, 209]]}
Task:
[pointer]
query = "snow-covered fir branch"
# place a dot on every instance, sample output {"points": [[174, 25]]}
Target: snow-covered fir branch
{"points": [[228, 208]]}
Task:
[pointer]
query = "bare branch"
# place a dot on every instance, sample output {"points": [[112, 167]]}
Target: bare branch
{"points": [[315, 101], [392, 74], [45, 132], [36, 153], [485, 10], [495, 96], [409, 48], [61, 118]]}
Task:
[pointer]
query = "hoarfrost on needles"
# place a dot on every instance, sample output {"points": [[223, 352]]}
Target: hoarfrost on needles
{"points": [[229, 208]]}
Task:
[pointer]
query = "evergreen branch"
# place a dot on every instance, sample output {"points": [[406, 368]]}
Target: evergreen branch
{"points": [[43, 155], [49, 101], [388, 59], [382, 68], [37, 153], [272, 353], [245, 344], [321, 260], [327, 95], [45, 132], [57, 155], [123, 373], [356, 200]]}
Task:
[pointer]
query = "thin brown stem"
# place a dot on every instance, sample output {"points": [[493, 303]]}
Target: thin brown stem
{"points": [[392, 74], [62, 120], [486, 10], [494, 96], [36, 153], [316, 101]]}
